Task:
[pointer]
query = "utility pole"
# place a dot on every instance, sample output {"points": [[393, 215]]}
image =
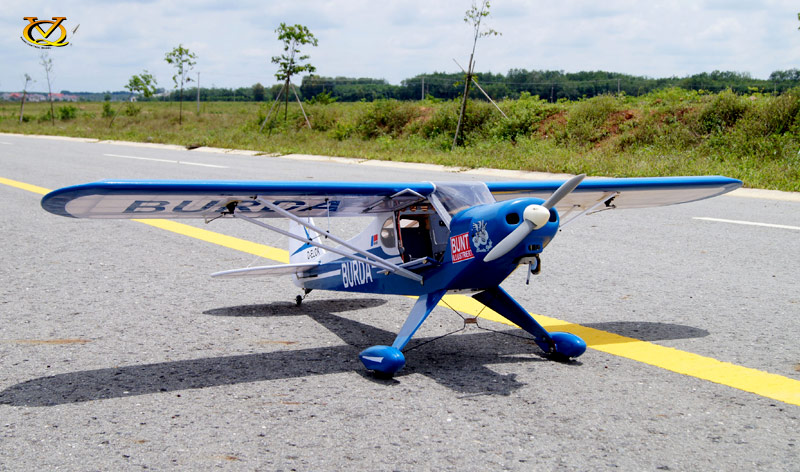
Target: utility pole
{"points": [[423, 89], [198, 93]]}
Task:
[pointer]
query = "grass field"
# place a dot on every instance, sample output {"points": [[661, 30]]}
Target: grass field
{"points": [[755, 138]]}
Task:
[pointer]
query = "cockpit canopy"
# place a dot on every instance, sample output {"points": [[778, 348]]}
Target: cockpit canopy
{"points": [[458, 196]]}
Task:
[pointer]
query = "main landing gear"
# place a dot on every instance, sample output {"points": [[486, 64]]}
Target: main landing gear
{"points": [[385, 361]]}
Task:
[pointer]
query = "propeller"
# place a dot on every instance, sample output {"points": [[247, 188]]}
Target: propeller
{"points": [[533, 218]]}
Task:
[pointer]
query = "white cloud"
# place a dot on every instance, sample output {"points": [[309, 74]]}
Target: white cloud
{"points": [[235, 40]]}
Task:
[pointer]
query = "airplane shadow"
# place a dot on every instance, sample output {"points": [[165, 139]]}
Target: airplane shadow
{"points": [[649, 331], [458, 362], [291, 309]]}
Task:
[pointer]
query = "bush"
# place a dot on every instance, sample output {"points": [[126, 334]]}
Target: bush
{"points": [[587, 117], [773, 115], [323, 98], [132, 109], [524, 117], [723, 112], [67, 112], [443, 121], [342, 131], [386, 117], [477, 121], [108, 111], [322, 118], [46, 116]]}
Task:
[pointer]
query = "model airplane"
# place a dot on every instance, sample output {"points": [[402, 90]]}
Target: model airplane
{"points": [[425, 239]]}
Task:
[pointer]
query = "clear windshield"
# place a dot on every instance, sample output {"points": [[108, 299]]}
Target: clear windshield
{"points": [[457, 196]]}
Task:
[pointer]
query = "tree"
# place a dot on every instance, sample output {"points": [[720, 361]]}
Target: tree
{"points": [[47, 62], [291, 62], [144, 84], [258, 92], [24, 92], [183, 61], [473, 17]]}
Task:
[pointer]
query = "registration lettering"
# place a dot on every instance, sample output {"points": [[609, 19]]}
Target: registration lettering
{"points": [[355, 273]]}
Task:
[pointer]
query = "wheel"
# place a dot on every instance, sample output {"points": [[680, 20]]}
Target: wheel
{"points": [[298, 300]]}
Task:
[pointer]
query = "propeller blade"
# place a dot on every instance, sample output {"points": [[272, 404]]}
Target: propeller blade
{"points": [[534, 217], [510, 242], [563, 191]]}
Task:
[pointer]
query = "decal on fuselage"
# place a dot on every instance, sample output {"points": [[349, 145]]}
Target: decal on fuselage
{"points": [[481, 237], [355, 273], [459, 247], [245, 206]]}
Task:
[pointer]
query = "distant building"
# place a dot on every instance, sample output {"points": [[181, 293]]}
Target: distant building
{"points": [[37, 97], [60, 97]]}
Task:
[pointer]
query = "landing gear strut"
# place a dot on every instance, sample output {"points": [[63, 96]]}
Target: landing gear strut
{"points": [[298, 300]]}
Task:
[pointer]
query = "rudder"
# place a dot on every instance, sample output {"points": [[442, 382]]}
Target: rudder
{"points": [[300, 252]]}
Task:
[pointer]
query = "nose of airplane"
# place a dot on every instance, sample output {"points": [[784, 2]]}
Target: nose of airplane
{"points": [[533, 218], [538, 215]]}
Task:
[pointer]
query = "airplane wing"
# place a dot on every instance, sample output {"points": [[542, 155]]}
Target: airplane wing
{"points": [[208, 199], [600, 194]]}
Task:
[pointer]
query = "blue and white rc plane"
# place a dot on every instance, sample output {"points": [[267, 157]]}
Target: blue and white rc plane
{"points": [[425, 238]]}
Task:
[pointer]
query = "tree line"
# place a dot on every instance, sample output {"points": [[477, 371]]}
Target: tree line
{"points": [[547, 84]]}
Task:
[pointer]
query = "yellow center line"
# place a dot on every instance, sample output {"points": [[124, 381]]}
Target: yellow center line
{"points": [[24, 186], [746, 379], [243, 245], [249, 247]]}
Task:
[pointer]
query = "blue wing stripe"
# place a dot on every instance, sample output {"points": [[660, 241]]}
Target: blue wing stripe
{"points": [[57, 200], [635, 183]]}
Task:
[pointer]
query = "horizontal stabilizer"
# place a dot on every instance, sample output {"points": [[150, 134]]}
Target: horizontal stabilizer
{"points": [[273, 270]]}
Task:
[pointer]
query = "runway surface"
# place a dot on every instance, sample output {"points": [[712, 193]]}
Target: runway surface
{"points": [[119, 351]]}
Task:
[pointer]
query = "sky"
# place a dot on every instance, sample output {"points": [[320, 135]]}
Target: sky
{"points": [[397, 39]]}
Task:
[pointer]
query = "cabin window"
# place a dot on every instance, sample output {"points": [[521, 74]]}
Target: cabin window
{"points": [[388, 239]]}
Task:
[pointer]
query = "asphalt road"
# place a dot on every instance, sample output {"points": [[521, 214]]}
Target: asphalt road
{"points": [[118, 352]]}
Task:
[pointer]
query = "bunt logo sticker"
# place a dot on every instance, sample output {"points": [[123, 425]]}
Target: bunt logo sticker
{"points": [[45, 34], [459, 247]]}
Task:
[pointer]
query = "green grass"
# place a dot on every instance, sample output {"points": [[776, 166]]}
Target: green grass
{"points": [[754, 138]]}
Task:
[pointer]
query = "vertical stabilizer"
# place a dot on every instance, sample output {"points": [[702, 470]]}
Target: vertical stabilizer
{"points": [[301, 252]]}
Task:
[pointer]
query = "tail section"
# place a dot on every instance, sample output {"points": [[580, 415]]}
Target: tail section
{"points": [[300, 252]]}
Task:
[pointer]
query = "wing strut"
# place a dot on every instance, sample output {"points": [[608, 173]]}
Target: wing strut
{"points": [[606, 200], [368, 258]]}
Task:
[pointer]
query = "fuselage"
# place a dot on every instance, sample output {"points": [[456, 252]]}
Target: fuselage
{"points": [[454, 259]]}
